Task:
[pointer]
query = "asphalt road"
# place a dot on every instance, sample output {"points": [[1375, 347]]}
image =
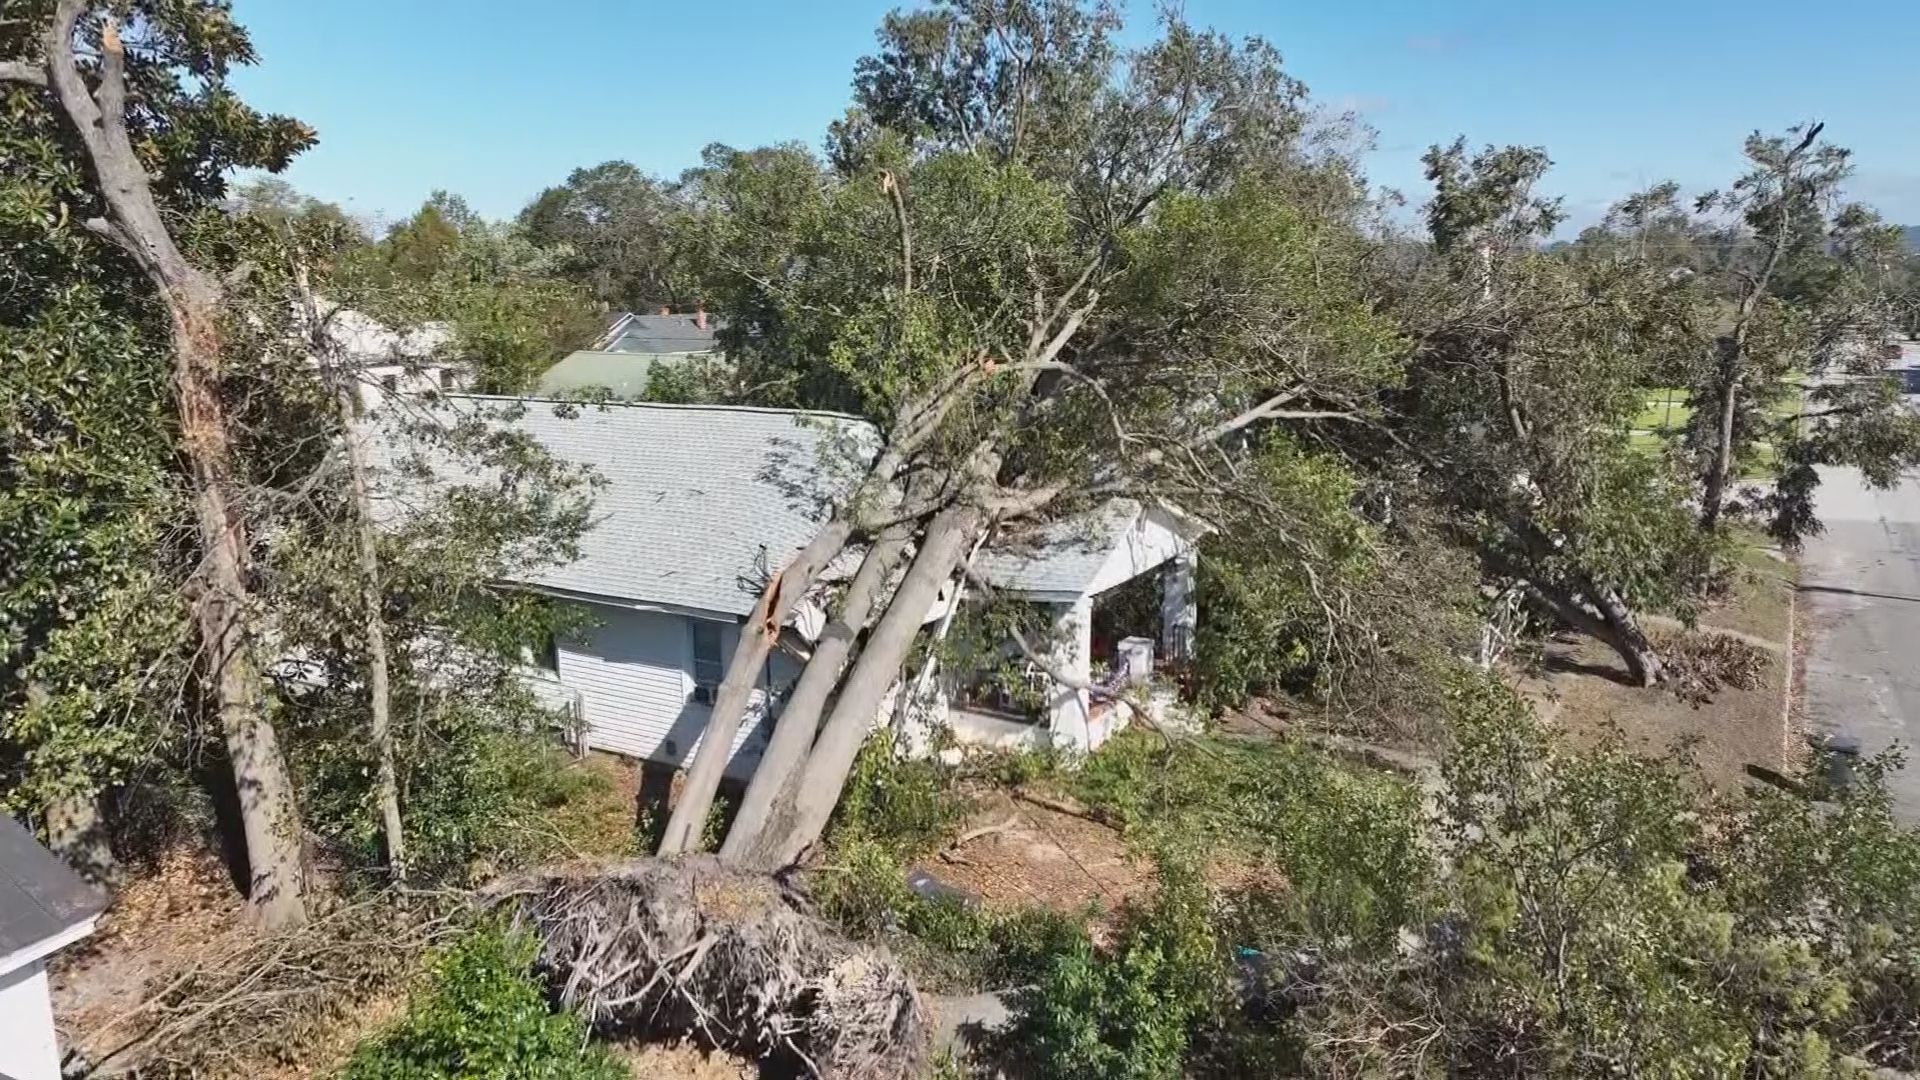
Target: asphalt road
{"points": [[1860, 606]]}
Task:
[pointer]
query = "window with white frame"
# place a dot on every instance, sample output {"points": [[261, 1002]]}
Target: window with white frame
{"points": [[706, 660]]}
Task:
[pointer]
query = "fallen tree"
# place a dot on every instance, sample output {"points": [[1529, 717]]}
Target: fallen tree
{"points": [[692, 947]]}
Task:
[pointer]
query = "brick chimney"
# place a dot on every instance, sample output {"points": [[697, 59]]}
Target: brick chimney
{"points": [[665, 310], [700, 315]]}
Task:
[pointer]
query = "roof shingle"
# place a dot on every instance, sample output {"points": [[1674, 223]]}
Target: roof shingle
{"points": [[40, 896]]}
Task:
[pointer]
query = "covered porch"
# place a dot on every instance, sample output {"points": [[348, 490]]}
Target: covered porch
{"points": [[1106, 599]]}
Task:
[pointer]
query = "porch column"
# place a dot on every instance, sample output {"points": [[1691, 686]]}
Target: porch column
{"points": [[1179, 613], [1070, 708]]}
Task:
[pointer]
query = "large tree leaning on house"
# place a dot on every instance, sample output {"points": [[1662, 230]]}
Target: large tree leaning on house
{"points": [[1081, 267], [94, 99]]}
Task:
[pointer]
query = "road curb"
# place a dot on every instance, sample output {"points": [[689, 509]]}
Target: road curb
{"points": [[1792, 664]]}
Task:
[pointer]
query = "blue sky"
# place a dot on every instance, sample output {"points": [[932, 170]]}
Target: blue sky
{"points": [[497, 99]]}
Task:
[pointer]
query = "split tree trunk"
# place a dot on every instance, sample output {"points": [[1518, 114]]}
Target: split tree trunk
{"points": [[347, 399], [780, 769], [789, 833], [219, 598], [1613, 626], [688, 822]]}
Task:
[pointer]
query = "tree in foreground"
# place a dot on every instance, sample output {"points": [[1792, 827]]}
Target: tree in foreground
{"points": [[121, 208]]}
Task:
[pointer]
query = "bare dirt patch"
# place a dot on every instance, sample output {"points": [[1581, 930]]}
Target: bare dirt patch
{"points": [[158, 927], [1041, 857], [681, 1061], [1737, 728]]}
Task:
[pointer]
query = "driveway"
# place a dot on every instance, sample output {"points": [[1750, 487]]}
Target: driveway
{"points": [[1860, 607]]}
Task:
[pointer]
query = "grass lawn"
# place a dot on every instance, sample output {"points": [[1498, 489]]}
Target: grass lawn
{"points": [[1666, 412]]}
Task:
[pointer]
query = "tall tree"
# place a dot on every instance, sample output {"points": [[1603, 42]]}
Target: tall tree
{"points": [[1808, 292], [611, 229], [197, 40], [1047, 286]]}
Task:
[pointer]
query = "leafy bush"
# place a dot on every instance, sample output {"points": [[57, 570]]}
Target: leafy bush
{"points": [[482, 1016], [482, 799], [1347, 842], [1127, 1014], [1603, 914]]}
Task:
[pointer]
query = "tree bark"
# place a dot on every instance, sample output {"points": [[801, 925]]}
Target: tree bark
{"points": [[687, 825], [1713, 494], [780, 771], [1614, 627], [372, 593], [219, 598], [857, 708], [353, 435]]}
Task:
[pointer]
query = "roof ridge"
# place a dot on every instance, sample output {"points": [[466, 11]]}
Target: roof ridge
{"points": [[540, 399]]}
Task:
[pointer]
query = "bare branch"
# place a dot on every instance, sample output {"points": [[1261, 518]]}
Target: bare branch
{"points": [[890, 184], [19, 71]]}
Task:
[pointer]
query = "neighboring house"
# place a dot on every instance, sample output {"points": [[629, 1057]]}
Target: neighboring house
{"points": [[623, 358], [390, 362], [44, 907], [701, 503]]}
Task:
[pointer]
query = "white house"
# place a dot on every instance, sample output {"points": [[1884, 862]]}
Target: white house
{"points": [[44, 907], [701, 503], [389, 362]]}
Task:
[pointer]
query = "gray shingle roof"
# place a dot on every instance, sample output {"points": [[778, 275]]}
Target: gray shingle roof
{"points": [[658, 334], [1064, 557], [695, 494], [39, 895]]}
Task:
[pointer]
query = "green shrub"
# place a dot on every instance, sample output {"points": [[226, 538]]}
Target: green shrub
{"points": [[482, 1016], [1128, 1014], [1601, 913], [1348, 842]]}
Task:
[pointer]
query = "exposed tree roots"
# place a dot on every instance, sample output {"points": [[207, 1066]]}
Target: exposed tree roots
{"points": [[689, 946]]}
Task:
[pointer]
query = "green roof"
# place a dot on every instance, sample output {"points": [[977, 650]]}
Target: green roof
{"points": [[625, 374]]}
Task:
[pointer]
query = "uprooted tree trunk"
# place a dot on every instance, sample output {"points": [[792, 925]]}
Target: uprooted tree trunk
{"points": [[219, 597], [794, 826], [780, 764], [692, 947], [777, 601]]}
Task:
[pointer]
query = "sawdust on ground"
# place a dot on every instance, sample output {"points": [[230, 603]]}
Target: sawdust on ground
{"points": [[681, 1061]]}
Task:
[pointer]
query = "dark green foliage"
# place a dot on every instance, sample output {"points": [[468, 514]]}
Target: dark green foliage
{"points": [[612, 231], [1126, 1013], [483, 1016], [1600, 915], [93, 642]]}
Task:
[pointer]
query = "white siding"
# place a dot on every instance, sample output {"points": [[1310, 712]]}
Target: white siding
{"points": [[633, 673], [28, 1050]]}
